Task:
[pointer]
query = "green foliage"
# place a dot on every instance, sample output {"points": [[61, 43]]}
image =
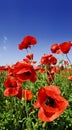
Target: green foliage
{"points": [[18, 114]]}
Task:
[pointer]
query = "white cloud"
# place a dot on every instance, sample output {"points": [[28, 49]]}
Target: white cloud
{"points": [[4, 48], [5, 39]]}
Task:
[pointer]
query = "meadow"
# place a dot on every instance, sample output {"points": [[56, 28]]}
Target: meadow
{"points": [[37, 97]]}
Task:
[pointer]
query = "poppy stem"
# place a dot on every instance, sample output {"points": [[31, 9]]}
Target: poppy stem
{"points": [[26, 109], [68, 59], [27, 51]]}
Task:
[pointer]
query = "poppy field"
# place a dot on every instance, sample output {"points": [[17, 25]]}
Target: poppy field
{"points": [[37, 97]]}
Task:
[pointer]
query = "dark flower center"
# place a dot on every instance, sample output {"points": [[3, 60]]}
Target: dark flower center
{"points": [[27, 73], [11, 86], [50, 101]]}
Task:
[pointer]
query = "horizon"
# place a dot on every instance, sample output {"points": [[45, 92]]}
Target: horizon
{"points": [[49, 21]]}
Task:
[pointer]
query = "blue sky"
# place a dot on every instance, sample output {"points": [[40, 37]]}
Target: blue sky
{"points": [[50, 21]]}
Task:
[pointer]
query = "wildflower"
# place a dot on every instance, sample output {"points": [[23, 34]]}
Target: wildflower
{"points": [[70, 78], [66, 63], [13, 87], [53, 69], [55, 48], [65, 47], [23, 72], [53, 60], [50, 102], [27, 42], [48, 59], [30, 56], [27, 94], [27, 60], [4, 68]]}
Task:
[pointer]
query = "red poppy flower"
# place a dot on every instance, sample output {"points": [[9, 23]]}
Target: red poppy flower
{"points": [[23, 72], [34, 62], [65, 47], [50, 102], [55, 48], [53, 69], [70, 78], [30, 56], [48, 59], [58, 69], [27, 94], [53, 60], [63, 76], [27, 42], [27, 60], [66, 63], [4, 68], [45, 59], [37, 68], [19, 95], [13, 87]]}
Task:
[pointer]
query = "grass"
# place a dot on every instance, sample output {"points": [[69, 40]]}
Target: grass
{"points": [[18, 114]]}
